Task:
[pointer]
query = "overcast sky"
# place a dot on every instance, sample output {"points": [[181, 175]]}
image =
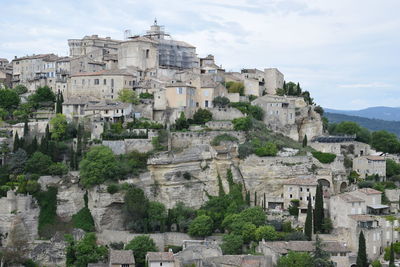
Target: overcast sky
{"points": [[345, 52]]}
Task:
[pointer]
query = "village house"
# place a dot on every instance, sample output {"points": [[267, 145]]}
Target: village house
{"points": [[274, 79], [157, 259], [121, 258], [103, 84], [300, 189], [254, 81], [369, 166], [208, 66], [339, 145], [339, 251], [91, 44]]}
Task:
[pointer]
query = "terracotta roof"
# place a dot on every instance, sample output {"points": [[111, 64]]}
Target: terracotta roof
{"points": [[121, 257], [283, 247], [369, 191], [160, 256], [348, 197], [362, 217], [301, 181]]}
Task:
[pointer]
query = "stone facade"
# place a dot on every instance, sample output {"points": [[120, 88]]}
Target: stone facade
{"points": [[370, 165]]}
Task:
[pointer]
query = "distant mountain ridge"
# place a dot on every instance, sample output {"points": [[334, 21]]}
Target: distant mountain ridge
{"points": [[371, 124], [381, 113]]}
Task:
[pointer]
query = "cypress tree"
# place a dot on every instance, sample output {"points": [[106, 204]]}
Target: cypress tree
{"points": [[221, 191], [309, 220], [319, 210], [16, 142], [72, 158], [305, 141], [362, 260], [391, 260], [255, 198], [34, 145], [248, 198], [61, 98], [58, 104], [26, 128], [265, 203], [47, 133], [44, 145]]}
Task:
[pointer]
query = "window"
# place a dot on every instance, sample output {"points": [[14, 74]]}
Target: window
{"points": [[206, 93], [147, 53], [291, 196], [301, 198], [104, 81], [179, 90], [112, 82], [308, 189], [125, 265], [343, 254], [301, 189], [206, 103], [96, 81]]}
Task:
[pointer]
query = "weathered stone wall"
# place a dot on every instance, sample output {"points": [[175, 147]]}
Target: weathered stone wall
{"points": [[220, 125], [226, 114], [125, 146], [161, 239], [69, 201], [186, 139]]}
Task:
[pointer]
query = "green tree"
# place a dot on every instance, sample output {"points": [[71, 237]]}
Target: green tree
{"points": [[84, 251], [269, 149], [248, 232], [20, 89], [362, 259], [181, 123], [59, 126], [135, 209], [43, 94], [294, 207], [201, 226], [58, 168], [232, 244], [254, 215], [58, 104], [127, 95], [309, 220], [157, 216], [266, 232], [321, 257], [242, 124], [38, 163], [385, 142], [305, 141], [140, 245], [202, 116], [221, 101], [319, 210], [9, 99], [376, 263], [16, 144], [351, 128], [98, 165], [296, 259], [235, 87], [392, 168], [391, 260]]}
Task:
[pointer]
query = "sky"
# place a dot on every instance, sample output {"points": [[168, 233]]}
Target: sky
{"points": [[345, 52]]}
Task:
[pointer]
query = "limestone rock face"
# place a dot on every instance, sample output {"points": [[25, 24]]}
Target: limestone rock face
{"points": [[309, 123], [106, 209], [69, 201]]}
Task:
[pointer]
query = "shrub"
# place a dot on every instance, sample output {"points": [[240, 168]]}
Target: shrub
{"points": [[83, 220], [140, 245], [223, 137], [38, 163], [58, 168], [266, 232], [187, 175], [269, 149], [202, 116], [232, 244], [324, 157], [235, 87], [300, 236], [221, 101], [201, 226], [146, 96], [242, 124], [48, 210], [245, 150], [112, 188]]}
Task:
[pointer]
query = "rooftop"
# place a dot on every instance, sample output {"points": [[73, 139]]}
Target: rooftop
{"points": [[107, 105], [179, 84], [348, 197], [283, 247], [121, 257], [301, 181], [160, 256], [369, 191], [103, 72], [36, 57], [335, 139], [375, 158]]}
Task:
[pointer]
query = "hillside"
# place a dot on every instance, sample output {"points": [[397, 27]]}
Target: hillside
{"points": [[380, 113], [371, 124]]}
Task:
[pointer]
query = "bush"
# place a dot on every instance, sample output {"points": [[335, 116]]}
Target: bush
{"points": [[140, 245], [266, 232], [58, 169], [146, 96], [242, 124], [144, 123], [269, 149], [112, 188], [232, 244], [221, 101], [299, 236], [223, 137], [324, 157], [201, 226], [20, 89], [38, 163], [202, 116], [83, 220], [181, 123], [187, 175], [235, 87], [294, 207], [48, 210], [245, 150]]}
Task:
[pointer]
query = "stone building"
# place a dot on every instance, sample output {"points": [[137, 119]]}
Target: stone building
{"points": [[121, 258], [339, 251], [254, 82], [91, 44], [103, 84], [339, 145], [274, 79], [300, 189], [370, 165], [208, 66], [156, 259]]}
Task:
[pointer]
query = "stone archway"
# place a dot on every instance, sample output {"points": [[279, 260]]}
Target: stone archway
{"points": [[324, 183], [343, 187]]}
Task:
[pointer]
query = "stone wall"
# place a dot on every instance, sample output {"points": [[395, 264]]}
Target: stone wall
{"points": [[69, 201], [125, 146], [161, 239], [226, 114], [220, 125], [186, 139]]}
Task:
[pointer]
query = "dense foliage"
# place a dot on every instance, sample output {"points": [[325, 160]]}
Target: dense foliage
{"points": [[140, 245], [235, 87], [201, 116], [324, 157], [250, 110], [221, 101], [223, 138], [81, 253]]}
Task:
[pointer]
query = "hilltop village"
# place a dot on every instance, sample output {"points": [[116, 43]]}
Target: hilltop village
{"points": [[138, 152]]}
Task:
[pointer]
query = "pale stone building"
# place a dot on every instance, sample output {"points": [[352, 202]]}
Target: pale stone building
{"points": [[254, 82], [91, 44], [121, 258], [301, 189], [274, 79], [208, 91], [339, 145], [370, 165], [157, 259], [103, 84], [208, 66]]}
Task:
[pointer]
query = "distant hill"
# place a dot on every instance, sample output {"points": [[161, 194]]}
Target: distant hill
{"points": [[381, 113], [371, 124]]}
